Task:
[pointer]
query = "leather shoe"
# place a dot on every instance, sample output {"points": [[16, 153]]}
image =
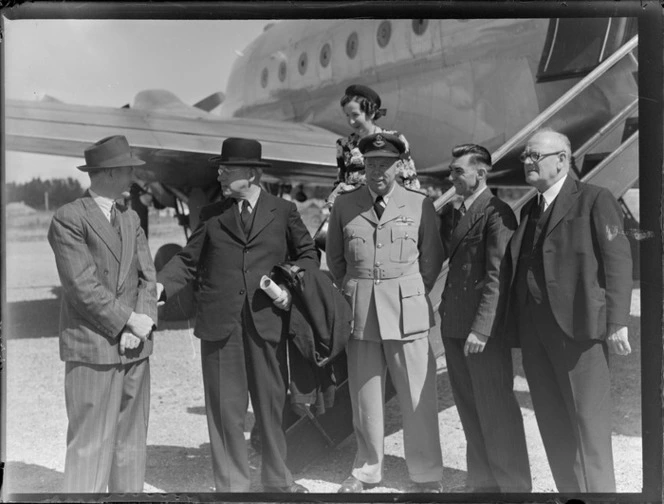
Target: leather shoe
{"points": [[292, 488], [427, 487], [354, 485]]}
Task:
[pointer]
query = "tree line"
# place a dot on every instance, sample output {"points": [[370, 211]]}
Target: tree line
{"points": [[39, 193]]}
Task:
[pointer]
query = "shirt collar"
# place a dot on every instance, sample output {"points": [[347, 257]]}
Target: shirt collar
{"points": [[252, 198], [386, 197], [470, 199], [552, 192], [106, 204]]}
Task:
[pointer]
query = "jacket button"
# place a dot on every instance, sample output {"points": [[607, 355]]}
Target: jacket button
{"points": [[241, 292], [377, 282], [380, 245], [246, 271], [246, 251], [105, 272], [380, 226], [378, 263]]}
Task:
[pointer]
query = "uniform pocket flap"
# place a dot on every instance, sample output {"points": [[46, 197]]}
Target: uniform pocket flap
{"points": [[411, 287], [401, 233]]}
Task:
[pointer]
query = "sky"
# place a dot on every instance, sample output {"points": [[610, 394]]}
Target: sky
{"points": [[107, 62]]}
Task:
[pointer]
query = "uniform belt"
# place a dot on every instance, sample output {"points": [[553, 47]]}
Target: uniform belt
{"points": [[382, 272]]}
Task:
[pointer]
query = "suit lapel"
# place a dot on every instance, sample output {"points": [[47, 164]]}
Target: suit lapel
{"points": [[470, 218], [365, 202], [264, 214], [230, 219], [128, 238], [563, 202], [517, 237], [101, 226]]}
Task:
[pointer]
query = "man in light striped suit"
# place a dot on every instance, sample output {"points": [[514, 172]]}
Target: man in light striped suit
{"points": [[109, 308], [479, 359]]}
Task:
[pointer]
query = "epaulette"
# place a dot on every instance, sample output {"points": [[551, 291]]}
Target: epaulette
{"points": [[416, 191]]}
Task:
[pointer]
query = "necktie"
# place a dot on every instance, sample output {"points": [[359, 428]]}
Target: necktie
{"points": [[458, 213], [379, 206], [245, 216], [115, 221], [538, 209]]}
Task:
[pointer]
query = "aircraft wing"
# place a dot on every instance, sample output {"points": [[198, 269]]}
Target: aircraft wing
{"points": [[175, 143]]}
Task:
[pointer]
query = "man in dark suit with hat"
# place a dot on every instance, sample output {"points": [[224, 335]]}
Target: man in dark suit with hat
{"points": [[242, 330], [569, 304], [384, 250], [109, 308], [479, 357]]}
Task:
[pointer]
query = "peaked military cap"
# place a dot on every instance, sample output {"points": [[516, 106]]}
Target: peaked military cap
{"points": [[382, 145]]}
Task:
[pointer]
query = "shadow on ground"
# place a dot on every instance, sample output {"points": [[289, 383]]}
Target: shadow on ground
{"points": [[34, 319], [20, 477]]}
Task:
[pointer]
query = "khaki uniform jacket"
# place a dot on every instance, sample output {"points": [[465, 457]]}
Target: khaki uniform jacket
{"points": [[395, 259]]}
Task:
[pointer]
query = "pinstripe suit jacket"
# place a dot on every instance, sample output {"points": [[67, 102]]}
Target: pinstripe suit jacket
{"points": [[104, 278], [478, 277]]}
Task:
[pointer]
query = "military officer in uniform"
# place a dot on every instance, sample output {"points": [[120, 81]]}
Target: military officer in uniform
{"points": [[384, 250]]}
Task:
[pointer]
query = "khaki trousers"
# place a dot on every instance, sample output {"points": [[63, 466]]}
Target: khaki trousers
{"points": [[413, 372]]}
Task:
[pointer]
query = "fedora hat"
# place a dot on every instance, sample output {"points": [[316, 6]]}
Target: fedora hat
{"points": [[109, 152], [240, 152]]}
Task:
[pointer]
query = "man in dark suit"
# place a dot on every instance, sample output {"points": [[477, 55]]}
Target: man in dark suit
{"points": [[479, 359], [569, 303], [242, 330], [109, 308]]}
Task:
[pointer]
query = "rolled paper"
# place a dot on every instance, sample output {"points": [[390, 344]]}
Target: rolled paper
{"points": [[270, 288]]}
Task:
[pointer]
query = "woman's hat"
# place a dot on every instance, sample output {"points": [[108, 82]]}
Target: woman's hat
{"points": [[109, 152], [240, 152], [365, 92]]}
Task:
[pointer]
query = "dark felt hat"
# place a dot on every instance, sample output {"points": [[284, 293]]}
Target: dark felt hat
{"points": [[109, 152], [364, 91], [240, 152], [382, 145]]}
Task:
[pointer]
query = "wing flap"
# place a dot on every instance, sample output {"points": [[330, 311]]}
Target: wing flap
{"points": [[295, 149]]}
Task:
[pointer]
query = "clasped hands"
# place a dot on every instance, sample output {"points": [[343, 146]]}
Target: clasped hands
{"points": [[138, 328]]}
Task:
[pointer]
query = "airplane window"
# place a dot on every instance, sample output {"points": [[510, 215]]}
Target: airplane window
{"points": [[384, 33], [264, 77], [302, 64], [420, 26], [351, 45], [325, 55], [282, 71]]}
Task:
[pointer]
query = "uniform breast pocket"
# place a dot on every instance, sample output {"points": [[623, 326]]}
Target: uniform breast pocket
{"points": [[356, 243], [404, 244]]}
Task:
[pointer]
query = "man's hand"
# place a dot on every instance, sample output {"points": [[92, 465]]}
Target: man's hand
{"points": [[140, 324], [284, 301], [618, 340], [160, 291], [475, 343], [128, 341]]}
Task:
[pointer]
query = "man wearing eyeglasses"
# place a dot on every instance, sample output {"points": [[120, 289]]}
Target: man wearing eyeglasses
{"points": [[568, 306]]}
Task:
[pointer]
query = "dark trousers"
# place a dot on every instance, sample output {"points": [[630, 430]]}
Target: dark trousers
{"points": [[570, 389], [482, 385], [245, 363], [108, 408]]}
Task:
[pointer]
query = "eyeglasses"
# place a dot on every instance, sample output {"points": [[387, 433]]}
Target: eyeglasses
{"points": [[536, 157]]}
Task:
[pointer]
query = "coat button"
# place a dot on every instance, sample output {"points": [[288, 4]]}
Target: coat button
{"points": [[105, 272], [246, 251], [380, 245], [380, 226], [378, 263], [377, 282], [241, 292]]}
